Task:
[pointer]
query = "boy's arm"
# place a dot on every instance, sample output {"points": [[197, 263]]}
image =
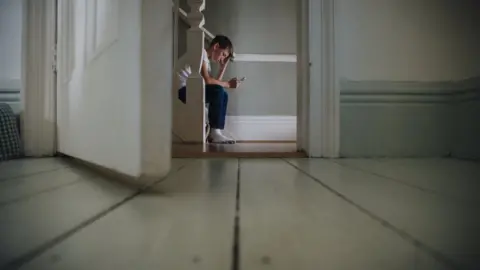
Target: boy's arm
{"points": [[221, 72], [210, 80]]}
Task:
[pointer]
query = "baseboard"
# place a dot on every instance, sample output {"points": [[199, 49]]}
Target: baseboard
{"points": [[395, 130], [408, 119], [275, 128], [466, 143]]}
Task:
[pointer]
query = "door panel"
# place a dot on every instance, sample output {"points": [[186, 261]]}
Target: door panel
{"points": [[99, 83]]}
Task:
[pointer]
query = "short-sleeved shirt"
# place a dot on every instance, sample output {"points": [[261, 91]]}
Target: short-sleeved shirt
{"points": [[183, 69]]}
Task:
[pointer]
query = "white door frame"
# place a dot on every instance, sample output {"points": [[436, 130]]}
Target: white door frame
{"points": [[38, 93], [318, 96]]}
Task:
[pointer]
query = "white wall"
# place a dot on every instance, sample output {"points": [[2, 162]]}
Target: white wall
{"points": [[270, 87], [407, 40], [395, 60], [10, 39], [103, 115]]}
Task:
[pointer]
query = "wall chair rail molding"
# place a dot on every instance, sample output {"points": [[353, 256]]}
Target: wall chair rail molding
{"points": [[280, 58], [397, 92], [409, 92]]}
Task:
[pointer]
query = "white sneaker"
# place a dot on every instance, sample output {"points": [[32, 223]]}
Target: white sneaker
{"points": [[216, 136], [229, 137]]}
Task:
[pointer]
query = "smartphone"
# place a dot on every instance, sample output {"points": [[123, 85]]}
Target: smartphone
{"points": [[242, 79]]}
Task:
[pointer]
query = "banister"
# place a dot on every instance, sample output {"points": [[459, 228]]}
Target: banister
{"points": [[183, 15]]}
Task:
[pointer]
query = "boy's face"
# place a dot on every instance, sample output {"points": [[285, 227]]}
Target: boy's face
{"points": [[219, 55]]}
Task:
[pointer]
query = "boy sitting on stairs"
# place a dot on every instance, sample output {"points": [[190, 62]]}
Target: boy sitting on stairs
{"points": [[219, 51]]}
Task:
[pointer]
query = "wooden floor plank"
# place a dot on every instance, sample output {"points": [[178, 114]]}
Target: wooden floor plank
{"points": [[445, 226], [288, 221], [238, 150], [37, 208], [449, 177], [28, 224], [24, 167], [22, 188], [185, 223]]}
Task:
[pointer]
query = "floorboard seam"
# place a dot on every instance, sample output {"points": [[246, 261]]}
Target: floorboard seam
{"points": [[31, 174], [236, 225], [31, 255], [29, 196], [427, 190], [401, 182], [409, 238]]}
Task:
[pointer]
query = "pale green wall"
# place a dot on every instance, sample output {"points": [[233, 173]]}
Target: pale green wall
{"points": [[395, 61], [270, 89], [10, 52], [10, 39], [266, 26], [407, 40]]}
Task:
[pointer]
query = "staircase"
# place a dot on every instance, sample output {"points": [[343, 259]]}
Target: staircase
{"points": [[188, 121]]}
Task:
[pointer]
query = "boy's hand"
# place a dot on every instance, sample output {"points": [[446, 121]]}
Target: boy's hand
{"points": [[233, 83]]}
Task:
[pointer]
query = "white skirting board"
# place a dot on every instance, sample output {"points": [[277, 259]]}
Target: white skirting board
{"points": [[262, 128], [410, 119]]}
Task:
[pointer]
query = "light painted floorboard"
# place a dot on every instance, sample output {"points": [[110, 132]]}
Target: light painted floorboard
{"points": [[341, 214], [22, 188], [28, 224], [456, 179], [186, 222], [446, 227], [288, 221], [39, 206], [24, 167]]}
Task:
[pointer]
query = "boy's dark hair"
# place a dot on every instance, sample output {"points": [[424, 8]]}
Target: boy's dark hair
{"points": [[223, 42]]}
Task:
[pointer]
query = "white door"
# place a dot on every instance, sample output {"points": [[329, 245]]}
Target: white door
{"points": [[318, 97], [112, 96], [98, 82], [38, 86]]}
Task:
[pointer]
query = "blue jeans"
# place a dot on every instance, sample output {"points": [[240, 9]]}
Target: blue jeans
{"points": [[217, 98]]}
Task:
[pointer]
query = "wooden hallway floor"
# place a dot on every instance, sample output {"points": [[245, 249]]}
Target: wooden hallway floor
{"points": [[238, 150], [251, 214]]}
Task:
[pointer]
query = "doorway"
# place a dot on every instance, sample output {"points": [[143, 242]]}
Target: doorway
{"points": [[317, 126], [262, 112]]}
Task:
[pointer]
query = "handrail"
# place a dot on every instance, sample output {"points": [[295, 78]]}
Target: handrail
{"points": [[183, 15]]}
